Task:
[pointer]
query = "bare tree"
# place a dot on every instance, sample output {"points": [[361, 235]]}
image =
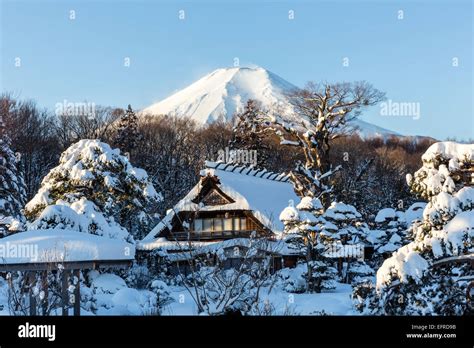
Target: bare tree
{"points": [[41, 290], [32, 137], [100, 125], [217, 288], [322, 114]]}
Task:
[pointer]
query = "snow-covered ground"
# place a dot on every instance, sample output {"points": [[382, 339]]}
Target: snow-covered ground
{"points": [[114, 298], [335, 302]]}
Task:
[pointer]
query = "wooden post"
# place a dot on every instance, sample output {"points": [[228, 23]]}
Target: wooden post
{"points": [[339, 265], [31, 284], [64, 293], [44, 287], [77, 293]]}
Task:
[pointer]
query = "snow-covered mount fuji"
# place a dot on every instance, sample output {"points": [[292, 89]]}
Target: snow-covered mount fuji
{"points": [[224, 92]]}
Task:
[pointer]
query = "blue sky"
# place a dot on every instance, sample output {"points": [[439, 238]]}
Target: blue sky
{"points": [[411, 59]]}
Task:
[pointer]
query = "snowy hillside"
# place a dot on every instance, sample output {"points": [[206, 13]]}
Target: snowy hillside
{"points": [[222, 93]]}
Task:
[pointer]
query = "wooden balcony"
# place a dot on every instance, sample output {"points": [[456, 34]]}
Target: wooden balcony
{"points": [[209, 235]]}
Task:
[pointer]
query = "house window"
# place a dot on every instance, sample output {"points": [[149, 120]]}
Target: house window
{"points": [[228, 224], [218, 225], [237, 224], [207, 224], [243, 224], [198, 225]]}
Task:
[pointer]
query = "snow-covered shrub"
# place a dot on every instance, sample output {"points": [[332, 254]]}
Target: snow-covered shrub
{"points": [[138, 276], [129, 301], [162, 292], [359, 271], [103, 287], [12, 187], [423, 277], [108, 294], [293, 279], [87, 298], [106, 283], [102, 187]]}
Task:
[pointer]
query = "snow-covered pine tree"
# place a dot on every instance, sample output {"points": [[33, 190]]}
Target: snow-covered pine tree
{"points": [[127, 136], [12, 187], [429, 276], [344, 235], [390, 233], [342, 223], [94, 189], [302, 228], [247, 133]]}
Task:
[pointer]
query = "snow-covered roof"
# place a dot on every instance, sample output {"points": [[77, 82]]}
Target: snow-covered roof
{"points": [[56, 245], [264, 193]]}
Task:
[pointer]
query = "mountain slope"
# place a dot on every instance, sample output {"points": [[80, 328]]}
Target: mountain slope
{"points": [[224, 92]]}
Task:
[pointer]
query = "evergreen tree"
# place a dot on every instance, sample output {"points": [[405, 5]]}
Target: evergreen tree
{"points": [[302, 227], [344, 234], [96, 190], [389, 235], [324, 237], [12, 186], [128, 136], [429, 276], [343, 224], [248, 135]]}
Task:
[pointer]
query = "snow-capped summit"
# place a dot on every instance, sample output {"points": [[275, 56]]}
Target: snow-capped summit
{"points": [[224, 92]]}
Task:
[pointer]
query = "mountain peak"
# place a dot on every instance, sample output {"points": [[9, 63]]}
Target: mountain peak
{"points": [[225, 91], [222, 93]]}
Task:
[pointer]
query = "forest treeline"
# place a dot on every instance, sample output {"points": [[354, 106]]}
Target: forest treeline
{"points": [[173, 150]]}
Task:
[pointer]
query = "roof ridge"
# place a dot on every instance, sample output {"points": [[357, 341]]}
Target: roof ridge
{"points": [[261, 173]]}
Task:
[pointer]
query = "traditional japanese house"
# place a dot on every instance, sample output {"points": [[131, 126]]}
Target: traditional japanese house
{"points": [[229, 205]]}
